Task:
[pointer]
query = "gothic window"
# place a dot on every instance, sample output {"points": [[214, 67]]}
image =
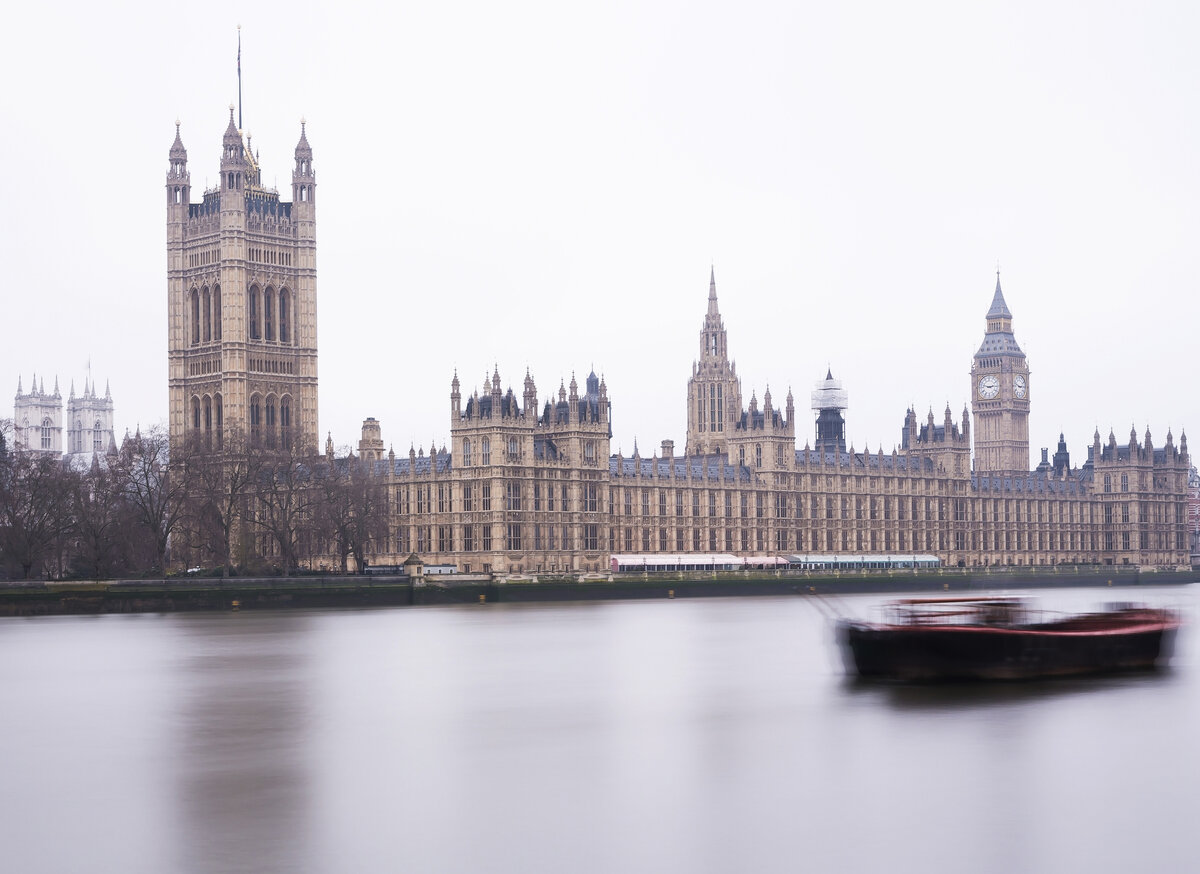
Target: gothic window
{"points": [[207, 315], [741, 456], [270, 421], [255, 307], [466, 452], [589, 451], [285, 422], [758, 455], [285, 306], [712, 407], [700, 406], [269, 314], [219, 418], [196, 413], [255, 419], [207, 414], [720, 417], [513, 449], [1124, 482], [216, 312], [47, 428], [195, 316], [485, 452]]}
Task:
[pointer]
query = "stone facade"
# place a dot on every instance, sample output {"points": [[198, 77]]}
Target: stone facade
{"points": [[90, 423], [38, 421], [523, 492], [242, 300], [37, 417]]}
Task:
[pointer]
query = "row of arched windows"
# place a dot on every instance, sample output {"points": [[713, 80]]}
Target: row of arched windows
{"points": [[485, 452], [270, 314], [271, 421], [76, 438], [208, 417], [206, 314]]}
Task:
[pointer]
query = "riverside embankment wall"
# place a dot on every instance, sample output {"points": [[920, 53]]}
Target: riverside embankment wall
{"points": [[242, 593]]}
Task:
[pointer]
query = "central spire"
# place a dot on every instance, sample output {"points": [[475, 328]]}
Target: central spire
{"points": [[712, 293], [999, 309]]}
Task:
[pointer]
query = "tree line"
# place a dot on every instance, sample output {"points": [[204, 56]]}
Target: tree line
{"points": [[150, 509]]}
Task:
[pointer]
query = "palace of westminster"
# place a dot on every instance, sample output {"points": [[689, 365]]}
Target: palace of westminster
{"points": [[529, 486]]}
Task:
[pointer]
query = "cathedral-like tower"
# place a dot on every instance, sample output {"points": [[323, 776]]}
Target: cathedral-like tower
{"points": [[242, 301], [1000, 396], [89, 422], [37, 418], [714, 390]]}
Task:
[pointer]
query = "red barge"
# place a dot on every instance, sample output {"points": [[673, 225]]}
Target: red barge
{"points": [[944, 639]]}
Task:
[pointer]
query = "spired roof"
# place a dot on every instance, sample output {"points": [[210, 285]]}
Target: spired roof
{"points": [[999, 309], [999, 338]]}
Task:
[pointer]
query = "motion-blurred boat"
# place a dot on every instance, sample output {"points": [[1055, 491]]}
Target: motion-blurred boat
{"points": [[936, 639]]}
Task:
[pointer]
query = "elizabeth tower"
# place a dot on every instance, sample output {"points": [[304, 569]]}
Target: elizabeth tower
{"points": [[1000, 396]]}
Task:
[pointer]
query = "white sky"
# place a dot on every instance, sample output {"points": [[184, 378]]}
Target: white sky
{"points": [[546, 186]]}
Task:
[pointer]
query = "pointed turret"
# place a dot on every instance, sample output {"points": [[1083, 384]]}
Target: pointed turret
{"points": [[304, 180]]}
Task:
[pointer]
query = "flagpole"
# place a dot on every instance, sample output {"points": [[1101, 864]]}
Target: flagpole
{"points": [[239, 68]]}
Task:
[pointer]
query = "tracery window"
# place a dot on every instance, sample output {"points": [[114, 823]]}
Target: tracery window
{"points": [[269, 315]]}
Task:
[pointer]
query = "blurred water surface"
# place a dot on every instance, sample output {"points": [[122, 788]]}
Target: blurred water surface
{"points": [[694, 736]]}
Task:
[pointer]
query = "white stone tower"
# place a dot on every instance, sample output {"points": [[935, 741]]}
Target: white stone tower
{"points": [[89, 422], [37, 417]]}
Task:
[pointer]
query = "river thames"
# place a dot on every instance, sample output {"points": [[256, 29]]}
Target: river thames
{"points": [[716, 735]]}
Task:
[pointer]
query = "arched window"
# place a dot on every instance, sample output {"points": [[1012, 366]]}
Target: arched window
{"points": [[741, 456], [196, 413], [513, 449], [758, 455], [47, 433], [98, 438], [270, 421], [466, 452], [255, 308], [216, 312], [207, 414], [255, 419], [485, 452], [219, 419], [285, 305], [195, 316], [285, 422], [269, 314], [207, 307], [77, 437]]}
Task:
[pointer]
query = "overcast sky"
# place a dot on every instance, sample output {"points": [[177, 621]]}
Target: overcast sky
{"points": [[546, 186]]}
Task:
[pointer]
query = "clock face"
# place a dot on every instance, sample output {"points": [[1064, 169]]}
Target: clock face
{"points": [[989, 387], [1019, 386]]}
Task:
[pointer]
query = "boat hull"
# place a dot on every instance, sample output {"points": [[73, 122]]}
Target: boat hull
{"points": [[944, 653]]}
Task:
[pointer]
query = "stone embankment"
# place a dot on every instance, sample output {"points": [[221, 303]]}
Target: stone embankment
{"points": [[242, 593]]}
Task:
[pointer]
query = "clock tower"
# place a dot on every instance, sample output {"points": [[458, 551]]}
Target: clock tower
{"points": [[1000, 396]]}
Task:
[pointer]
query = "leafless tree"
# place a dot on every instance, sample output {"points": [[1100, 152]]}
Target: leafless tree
{"points": [[219, 486], [35, 510], [285, 496], [153, 488], [352, 508]]}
